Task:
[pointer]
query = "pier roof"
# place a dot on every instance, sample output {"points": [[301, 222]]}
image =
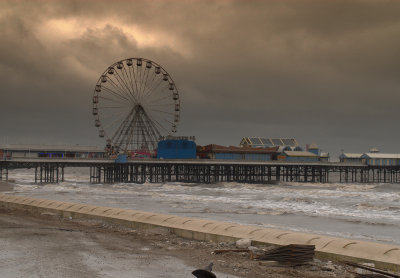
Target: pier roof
{"points": [[232, 149], [351, 155], [54, 148], [382, 155], [268, 142], [300, 153]]}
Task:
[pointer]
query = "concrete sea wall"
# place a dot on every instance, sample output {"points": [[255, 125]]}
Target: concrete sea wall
{"points": [[338, 249]]}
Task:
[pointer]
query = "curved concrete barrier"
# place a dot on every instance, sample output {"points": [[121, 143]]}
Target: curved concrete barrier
{"points": [[383, 255]]}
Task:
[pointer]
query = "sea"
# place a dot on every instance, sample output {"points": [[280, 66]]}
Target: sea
{"points": [[359, 211]]}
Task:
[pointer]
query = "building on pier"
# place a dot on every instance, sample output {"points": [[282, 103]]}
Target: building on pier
{"points": [[237, 153], [173, 147], [381, 159], [282, 149], [351, 157], [322, 156], [288, 148], [9, 151], [299, 156]]}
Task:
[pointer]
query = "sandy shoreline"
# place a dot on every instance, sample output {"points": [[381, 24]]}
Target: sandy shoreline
{"points": [[92, 248], [6, 186]]}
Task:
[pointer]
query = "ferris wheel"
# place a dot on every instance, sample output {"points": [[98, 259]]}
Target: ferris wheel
{"points": [[135, 102]]}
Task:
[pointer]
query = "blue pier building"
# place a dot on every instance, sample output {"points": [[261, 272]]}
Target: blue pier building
{"points": [[176, 148]]}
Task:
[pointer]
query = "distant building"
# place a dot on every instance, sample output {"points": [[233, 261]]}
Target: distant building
{"points": [[300, 156], [313, 148], [374, 150], [288, 148], [381, 159], [351, 157], [8, 151], [324, 157]]}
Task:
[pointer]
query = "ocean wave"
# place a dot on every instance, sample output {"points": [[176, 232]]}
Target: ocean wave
{"points": [[359, 204]]}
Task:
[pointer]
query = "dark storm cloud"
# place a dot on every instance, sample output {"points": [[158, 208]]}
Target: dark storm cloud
{"points": [[323, 71]]}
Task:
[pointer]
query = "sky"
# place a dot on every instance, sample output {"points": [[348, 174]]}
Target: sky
{"points": [[324, 72]]}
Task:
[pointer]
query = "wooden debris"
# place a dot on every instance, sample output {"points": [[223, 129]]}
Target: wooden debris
{"points": [[220, 251], [358, 275], [293, 254], [372, 269]]}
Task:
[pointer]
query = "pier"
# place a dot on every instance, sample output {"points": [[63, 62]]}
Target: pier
{"points": [[204, 171]]}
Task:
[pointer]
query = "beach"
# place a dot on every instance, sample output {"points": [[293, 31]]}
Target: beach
{"points": [[47, 245]]}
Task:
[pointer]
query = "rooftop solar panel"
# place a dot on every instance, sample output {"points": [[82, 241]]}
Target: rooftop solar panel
{"points": [[255, 141], [277, 142], [294, 142], [266, 141], [289, 142]]}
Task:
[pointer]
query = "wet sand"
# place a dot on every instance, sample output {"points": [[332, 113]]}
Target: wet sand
{"points": [[49, 246], [6, 186]]}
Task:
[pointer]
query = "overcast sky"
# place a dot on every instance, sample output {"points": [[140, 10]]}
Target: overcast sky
{"points": [[319, 71]]}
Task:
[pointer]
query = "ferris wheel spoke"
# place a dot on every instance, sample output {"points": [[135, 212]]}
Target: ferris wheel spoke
{"points": [[152, 82], [153, 133], [160, 99], [121, 78], [110, 117], [140, 79], [129, 86], [164, 112], [117, 89], [145, 133], [132, 69], [156, 85], [129, 79], [149, 83], [112, 100], [131, 134], [147, 70], [124, 85], [146, 128], [114, 93], [167, 100], [110, 107], [155, 122], [145, 76], [169, 122], [161, 89], [153, 88], [165, 104], [120, 128], [108, 125], [153, 75], [112, 124]]}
